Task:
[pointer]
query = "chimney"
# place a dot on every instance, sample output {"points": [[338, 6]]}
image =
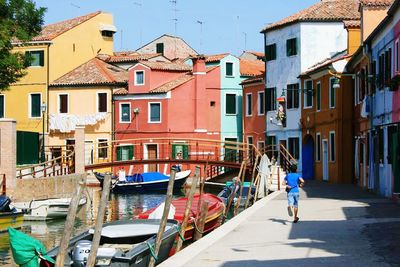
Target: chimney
{"points": [[200, 101]]}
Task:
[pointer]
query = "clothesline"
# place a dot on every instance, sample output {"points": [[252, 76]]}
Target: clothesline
{"points": [[66, 123]]}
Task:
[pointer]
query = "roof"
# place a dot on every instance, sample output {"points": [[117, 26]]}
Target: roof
{"points": [[376, 3], [325, 11], [352, 23], [169, 66], [51, 31], [168, 86], [120, 58], [257, 54], [120, 91], [93, 72], [166, 35], [326, 62], [255, 79], [251, 67], [215, 58]]}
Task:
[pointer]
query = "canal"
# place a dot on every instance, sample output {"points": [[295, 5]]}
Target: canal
{"points": [[120, 206]]}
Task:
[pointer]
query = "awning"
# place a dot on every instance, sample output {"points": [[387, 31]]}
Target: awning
{"points": [[108, 27]]}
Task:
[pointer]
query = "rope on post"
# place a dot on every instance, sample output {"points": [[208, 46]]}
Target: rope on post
{"points": [[152, 253], [180, 234]]}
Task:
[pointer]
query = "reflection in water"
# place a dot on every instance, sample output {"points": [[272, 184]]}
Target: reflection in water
{"points": [[49, 233]]}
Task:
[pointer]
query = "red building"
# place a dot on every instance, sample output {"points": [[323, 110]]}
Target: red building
{"points": [[166, 100]]}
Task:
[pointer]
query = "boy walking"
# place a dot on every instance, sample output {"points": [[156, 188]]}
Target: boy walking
{"points": [[293, 181]]}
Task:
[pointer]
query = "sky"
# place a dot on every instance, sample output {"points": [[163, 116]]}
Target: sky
{"points": [[208, 26]]}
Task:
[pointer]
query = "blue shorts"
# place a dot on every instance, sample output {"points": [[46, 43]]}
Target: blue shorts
{"points": [[293, 199]]}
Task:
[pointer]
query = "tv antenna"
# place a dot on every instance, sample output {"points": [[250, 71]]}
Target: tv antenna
{"points": [[245, 40], [72, 4], [139, 5], [201, 33], [175, 19]]}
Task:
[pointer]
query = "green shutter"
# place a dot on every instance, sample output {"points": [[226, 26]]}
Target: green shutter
{"points": [[229, 69], [230, 104], [130, 152], [319, 96], [35, 105], [1, 106], [41, 58], [180, 147], [119, 153]]}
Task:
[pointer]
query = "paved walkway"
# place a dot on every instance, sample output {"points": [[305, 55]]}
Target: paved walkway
{"points": [[340, 225]]}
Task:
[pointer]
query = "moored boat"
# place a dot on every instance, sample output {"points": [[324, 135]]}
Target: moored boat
{"points": [[231, 191], [122, 243], [148, 182], [9, 216], [214, 215], [47, 209]]}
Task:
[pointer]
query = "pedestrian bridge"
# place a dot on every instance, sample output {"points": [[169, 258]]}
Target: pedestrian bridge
{"points": [[154, 154]]}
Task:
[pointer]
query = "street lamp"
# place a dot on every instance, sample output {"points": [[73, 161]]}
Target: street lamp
{"points": [[43, 107]]}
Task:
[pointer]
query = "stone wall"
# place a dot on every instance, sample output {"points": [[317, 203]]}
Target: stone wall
{"points": [[50, 187]]}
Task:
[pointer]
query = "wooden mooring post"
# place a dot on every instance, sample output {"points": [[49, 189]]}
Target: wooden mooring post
{"points": [[253, 177], [200, 222], [164, 218], [240, 190], [187, 208], [99, 220], [69, 223]]}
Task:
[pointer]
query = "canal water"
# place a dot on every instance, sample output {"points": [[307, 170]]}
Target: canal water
{"points": [[120, 206]]}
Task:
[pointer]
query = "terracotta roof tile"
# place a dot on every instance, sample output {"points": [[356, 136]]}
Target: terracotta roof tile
{"points": [[120, 91], [131, 58], [125, 53], [325, 10], [169, 66], [251, 67], [93, 72], [255, 79], [215, 58], [173, 84], [257, 54], [49, 32], [376, 2], [352, 23]]}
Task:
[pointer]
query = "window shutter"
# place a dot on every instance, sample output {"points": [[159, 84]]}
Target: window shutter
{"points": [[130, 152], [41, 58], [119, 153], [102, 98], [1, 106], [35, 105], [63, 103]]}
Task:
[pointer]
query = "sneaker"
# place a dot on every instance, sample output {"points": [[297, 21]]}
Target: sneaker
{"points": [[290, 211], [296, 220]]}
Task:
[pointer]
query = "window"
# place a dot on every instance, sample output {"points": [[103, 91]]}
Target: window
{"points": [[102, 102], [139, 77], [229, 69], [249, 105], [381, 76], [332, 93], [373, 70], [332, 148], [125, 112], [35, 102], [270, 52], [356, 88], [270, 99], [308, 93], [154, 112], [291, 47], [272, 149], [102, 150], [107, 33], [125, 152], [261, 145], [183, 149], [261, 103], [160, 48], [249, 141], [63, 103], [318, 96], [36, 58], [294, 148], [292, 96], [230, 100], [2, 108], [363, 78], [388, 66], [318, 147]]}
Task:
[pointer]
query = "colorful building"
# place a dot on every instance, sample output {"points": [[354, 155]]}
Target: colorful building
{"points": [[383, 49], [83, 98], [167, 100], [292, 45], [59, 48]]}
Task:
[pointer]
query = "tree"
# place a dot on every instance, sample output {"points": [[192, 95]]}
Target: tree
{"points": [[20, 20]]}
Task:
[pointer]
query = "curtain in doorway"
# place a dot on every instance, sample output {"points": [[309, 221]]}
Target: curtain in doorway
{"points": [[371, 178]]}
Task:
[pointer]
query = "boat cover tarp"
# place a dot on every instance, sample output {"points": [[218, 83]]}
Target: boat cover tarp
{"points": [[154, 176], [26, 250]]}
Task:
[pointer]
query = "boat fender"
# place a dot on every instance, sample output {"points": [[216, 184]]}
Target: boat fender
{"points": [[81, 253]]}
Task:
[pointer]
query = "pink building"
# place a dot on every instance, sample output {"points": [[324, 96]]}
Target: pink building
{"points": [[166, 100]]}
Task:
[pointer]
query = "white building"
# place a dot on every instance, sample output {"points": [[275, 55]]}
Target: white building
{"points": [[292, 45]]}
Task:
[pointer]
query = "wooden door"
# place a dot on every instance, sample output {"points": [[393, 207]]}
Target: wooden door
{"points": [[325, 170], [152, 154]]}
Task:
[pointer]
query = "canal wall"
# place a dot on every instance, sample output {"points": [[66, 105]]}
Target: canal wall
{"points": [[49, 187]]}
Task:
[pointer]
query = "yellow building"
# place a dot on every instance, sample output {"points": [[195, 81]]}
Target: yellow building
{"points": [[83, 97], [59, 48]]}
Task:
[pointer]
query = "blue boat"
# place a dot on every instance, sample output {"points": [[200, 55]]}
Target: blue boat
{"points": [[148, 182]]}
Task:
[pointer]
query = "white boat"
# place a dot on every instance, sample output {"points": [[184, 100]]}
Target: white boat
{"points": [[47, 209]]}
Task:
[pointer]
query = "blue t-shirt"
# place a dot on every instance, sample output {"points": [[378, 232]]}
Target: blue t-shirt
{"points": [[293, 180]]}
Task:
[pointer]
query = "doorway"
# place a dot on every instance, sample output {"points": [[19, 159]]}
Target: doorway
{"points": [[151, 154], [308, 158], [89, 147], [325, 172]]}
